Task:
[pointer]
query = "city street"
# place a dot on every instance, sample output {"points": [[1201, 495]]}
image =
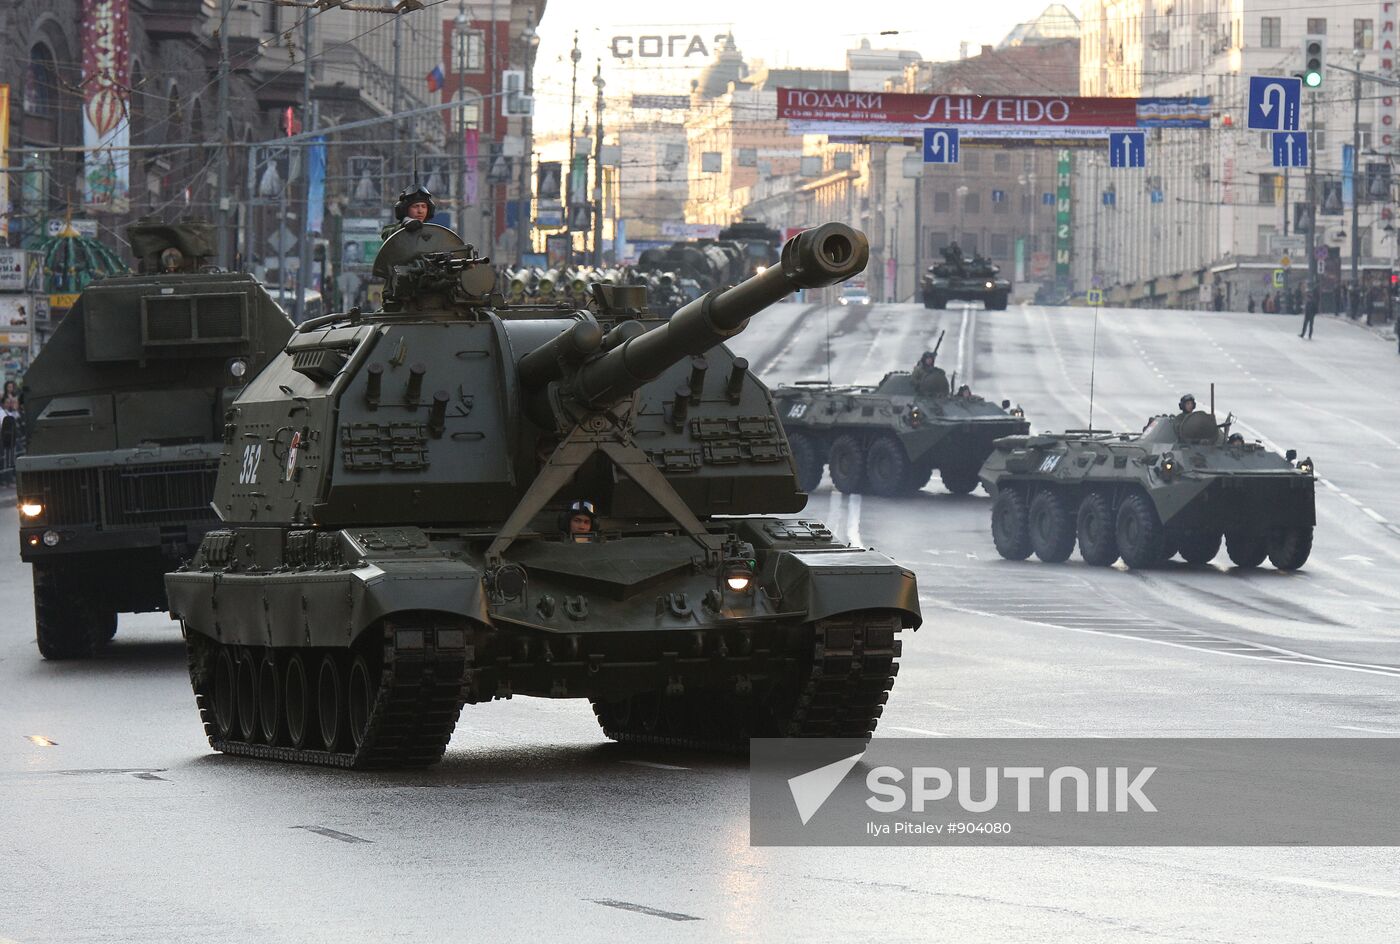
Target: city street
{"points": [[120, 824]]}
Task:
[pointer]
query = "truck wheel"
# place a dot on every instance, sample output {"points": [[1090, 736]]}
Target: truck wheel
{"points": [[806, 453], [887, 467], [1139, 532], [1289, 549], [1051, 528], [1246, 550], [66, 627], [1010, 525], [847, 464], [1199, 547], [958, 480], [1098, 541]]}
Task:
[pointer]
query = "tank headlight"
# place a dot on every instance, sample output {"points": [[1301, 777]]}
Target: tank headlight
{"points": [[738, 575], [1168, 464], [31, 509], [51, 538], [238, 368], [989, 285], [760, 270], [1017, 411], [1306, 465]]}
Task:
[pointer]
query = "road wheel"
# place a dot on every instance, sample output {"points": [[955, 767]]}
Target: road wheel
{"points": [[1289, 549], [246, 695], [296, 701], [1246, 550], [1051, 528], [65, 626], [225, 693], [1199, 547], [959, 480], [270, 718], [996, 303], [887, 467], [1098, 540], [935, 301], [1139, 532], [330, 700], [806, 454], [363, 684], [847, 464], [1010, 525]]}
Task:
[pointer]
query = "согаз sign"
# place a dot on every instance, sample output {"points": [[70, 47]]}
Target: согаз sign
{"points": [[674, 46]]}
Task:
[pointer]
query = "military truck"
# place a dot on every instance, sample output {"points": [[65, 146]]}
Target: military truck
{"points": [[890, 438], [454, 500], [127, 403], [960, 278], [1178, 487]]}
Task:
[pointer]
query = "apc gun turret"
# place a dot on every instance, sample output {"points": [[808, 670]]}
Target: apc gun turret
{"points": [[394, 490]]}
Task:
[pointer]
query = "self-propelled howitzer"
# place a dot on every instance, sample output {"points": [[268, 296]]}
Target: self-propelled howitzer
{"points": [[401, 494]]}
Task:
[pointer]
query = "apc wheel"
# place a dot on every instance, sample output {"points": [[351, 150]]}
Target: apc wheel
{"points": [[1246, 550], [919, 476], [1289, 549], [330, 700], [1051, 528], [1199, 547], [996, 303], [806, 454], [65, 627], [246, 695], [847, 464], [959, 481], [270, 718], [935, 301], [1139, 532], [1097, 531], [361, 698], [1010, 527], [225, 693], [296, 701], [887, 466]]}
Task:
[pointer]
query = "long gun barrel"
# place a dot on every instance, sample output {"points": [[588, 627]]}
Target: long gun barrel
{"points": [[939, 343], [819, 257]]}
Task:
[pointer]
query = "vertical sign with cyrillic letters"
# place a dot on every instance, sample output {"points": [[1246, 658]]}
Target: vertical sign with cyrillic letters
{"points": [[1063, 241]]}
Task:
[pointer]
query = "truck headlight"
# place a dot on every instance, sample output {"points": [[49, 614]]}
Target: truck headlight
{"points": [[51, 538], [31, 509], [738, 575]]}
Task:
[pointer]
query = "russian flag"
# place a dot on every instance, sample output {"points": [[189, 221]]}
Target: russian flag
{"points": [[435, 78]]}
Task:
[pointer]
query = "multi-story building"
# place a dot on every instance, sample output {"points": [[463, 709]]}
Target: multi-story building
{"points": [[1209, 218]]}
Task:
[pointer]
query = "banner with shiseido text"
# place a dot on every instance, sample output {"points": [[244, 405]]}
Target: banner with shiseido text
{"points": [[818, 111]]}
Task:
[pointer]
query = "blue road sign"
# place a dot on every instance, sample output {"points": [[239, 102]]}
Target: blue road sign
{"points": [[1274, 103], [1047, 199], [1158, 196], [1110, 198], [940, 145], [1290, 149], [1127, 149]]}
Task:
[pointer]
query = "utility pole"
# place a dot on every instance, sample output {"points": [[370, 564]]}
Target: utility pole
{"points": [[1355, 298], [598, 170], [224, 243], [529, 40], [569, 196], [459, 33], [303, 282], [395, 102]]}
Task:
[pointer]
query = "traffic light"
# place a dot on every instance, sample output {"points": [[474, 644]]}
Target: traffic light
{"points": [[1314, 48]]}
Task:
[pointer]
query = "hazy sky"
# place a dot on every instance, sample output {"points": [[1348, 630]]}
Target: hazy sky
{"points": [[810, 33]]}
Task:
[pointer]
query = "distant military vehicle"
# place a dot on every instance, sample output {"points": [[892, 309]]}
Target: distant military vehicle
{"points": [[1175, 488], [959, 278], [888, 439], [453, 500], [127, 401]]}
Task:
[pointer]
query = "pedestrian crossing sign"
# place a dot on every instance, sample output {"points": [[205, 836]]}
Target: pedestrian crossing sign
{"points": [[1278, 278], [1095, 296]]}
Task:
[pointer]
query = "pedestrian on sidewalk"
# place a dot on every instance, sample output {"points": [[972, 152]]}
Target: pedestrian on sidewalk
{"points": [[1309, 314]]}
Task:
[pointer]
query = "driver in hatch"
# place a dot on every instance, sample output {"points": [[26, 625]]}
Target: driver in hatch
{"points": [[580, 522]]}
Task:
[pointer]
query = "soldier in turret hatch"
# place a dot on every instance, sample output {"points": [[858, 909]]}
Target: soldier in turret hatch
{"points": [[580, 523], [414, 203], [930, 380]]}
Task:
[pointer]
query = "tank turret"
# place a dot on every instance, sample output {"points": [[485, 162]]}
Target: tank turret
{"points": [[392, 488]]}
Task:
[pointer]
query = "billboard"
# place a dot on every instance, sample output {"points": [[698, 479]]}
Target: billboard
{"points": [[106, 90], [817, 111]]}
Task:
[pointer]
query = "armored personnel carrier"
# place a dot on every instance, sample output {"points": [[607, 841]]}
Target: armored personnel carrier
{"points": [[888, 439], [127, 401], [1177, 487], [958, 278], [453, 500]]}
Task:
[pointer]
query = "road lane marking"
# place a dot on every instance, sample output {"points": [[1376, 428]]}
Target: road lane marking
{"points": [[920, 731], [1335, 886], [1352, 727], [653, 765], [333, 834], [853, 519], [643, 909], [40, 740]]}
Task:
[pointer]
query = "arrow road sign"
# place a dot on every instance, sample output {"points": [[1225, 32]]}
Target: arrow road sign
{"points": [[1274, 103], [1290, 149], [1127, 149], [940, 145]]}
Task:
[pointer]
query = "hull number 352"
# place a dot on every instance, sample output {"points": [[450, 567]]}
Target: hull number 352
{"points": [[252, 455]]}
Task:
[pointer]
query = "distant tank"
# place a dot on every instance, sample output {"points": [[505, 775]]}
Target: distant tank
{"points": [[890, 438], [1178, 487], [959, 278], [127, 401], [452, 501]]}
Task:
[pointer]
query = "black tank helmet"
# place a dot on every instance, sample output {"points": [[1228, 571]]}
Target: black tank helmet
{"points": [[410, 196], [581, 507], [1185, 398], [928, 357]]}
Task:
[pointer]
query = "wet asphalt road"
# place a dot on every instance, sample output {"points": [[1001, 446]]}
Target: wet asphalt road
{"points": [[127, 828]]}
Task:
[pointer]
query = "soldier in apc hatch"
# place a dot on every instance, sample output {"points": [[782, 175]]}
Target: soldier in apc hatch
{"points": [[930, 380], [580, 523], [414, 203]]}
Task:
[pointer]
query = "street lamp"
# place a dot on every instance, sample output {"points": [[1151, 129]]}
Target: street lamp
{"points": [[1357, 55], [598, 169], [530, 40], [460, 25]]}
